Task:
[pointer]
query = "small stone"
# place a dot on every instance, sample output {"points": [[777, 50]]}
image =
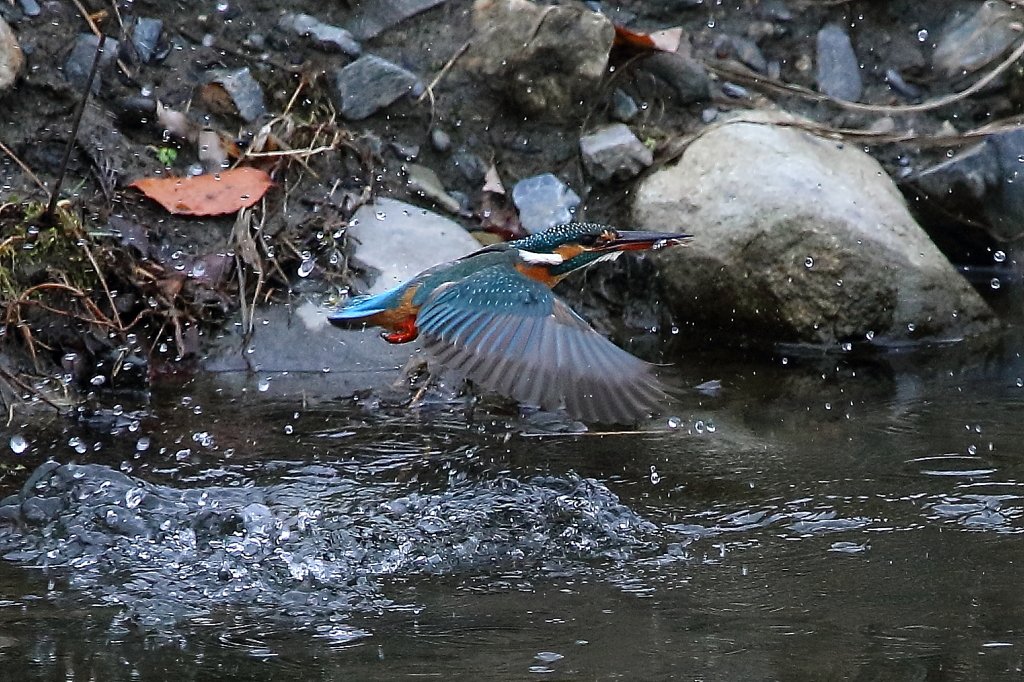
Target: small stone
{"points": [[896, 82], [79, 62], [472, 167], [440, 140], [624, 107], [145, 37], [978, 41], [838, 69], [774, 10], [373, 17], [11, 57], [614, 152], [735, 91], [30, 8], [883, 125], [371, 83], [323, 36], [684, 74], [425, 181], [244, 92], [543, 202], [709, 115], [749, 53]]}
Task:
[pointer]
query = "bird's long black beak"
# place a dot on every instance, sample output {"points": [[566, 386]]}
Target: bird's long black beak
{"points": [[637, 240]]}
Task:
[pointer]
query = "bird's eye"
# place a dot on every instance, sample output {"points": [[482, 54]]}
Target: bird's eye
{"points": [[588, 239]]}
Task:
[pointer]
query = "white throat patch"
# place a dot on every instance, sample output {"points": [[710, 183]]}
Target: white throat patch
{"points": [[540, 258]]}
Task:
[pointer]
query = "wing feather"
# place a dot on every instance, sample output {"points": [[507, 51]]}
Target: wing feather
{"points": [[510, 334]]}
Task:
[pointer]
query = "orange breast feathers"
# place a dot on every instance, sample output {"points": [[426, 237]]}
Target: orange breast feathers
{"points": [[400, 316]]}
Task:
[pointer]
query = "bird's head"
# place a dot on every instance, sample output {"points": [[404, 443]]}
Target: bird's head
{"points": [[571, 246]]}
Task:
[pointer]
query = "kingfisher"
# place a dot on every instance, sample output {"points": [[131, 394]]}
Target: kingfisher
{"points": [[491, 317]]}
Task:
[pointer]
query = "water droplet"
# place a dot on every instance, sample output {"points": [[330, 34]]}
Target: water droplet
{"points": [[847, 347], [380, 215], [264, 385], [674, 422], [133, 497], [698, 426], [999, 256], [18, 444], [911, 327], [306, 267], [98, 380], [289, 429], [828, 406], [870, 335], [922, 35], [199, 269], [785, 361], [182, 455], [655, 476], [711, 427], [78, 444], [143, 444], [118, 410], [1020, 382], [809, 263], [995, 283], [972, 450]]}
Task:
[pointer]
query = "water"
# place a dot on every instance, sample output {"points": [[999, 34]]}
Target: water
{"points": [[876, 538]]}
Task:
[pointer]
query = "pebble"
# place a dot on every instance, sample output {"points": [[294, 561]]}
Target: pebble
{"points": [[30, 8], [472, 167], [735, 91], [246, 94], [614, 152], [371, 83], [79, 62], [838, 69], [373, 17], [624, 107], [425, 181], [145, 37], [978, 41], [684, 74], [709, 115], [323, 36], [11, 57], [749, 53], [440, 140], [896, 82], [544, 201]]}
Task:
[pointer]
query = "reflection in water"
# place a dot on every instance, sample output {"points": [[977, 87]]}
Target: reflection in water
{"points": [[843, 519]]}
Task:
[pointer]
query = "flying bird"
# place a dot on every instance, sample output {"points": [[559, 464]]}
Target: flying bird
{"points": [[492, 318]]}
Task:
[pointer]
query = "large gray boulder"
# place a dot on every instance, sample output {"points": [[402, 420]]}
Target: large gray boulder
{"points": [[800, 239]]}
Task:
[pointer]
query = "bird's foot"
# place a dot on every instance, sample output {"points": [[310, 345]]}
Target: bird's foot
{"points": [[405, 331]]}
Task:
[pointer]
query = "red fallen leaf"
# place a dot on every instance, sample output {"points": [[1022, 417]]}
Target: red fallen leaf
{"points": [[664, 41], [224, 192]]}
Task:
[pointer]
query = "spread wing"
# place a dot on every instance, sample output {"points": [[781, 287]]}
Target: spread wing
{"points": [[511, 335]]}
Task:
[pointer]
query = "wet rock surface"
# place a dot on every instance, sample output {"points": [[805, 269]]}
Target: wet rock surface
{"points": [[805, 238]]}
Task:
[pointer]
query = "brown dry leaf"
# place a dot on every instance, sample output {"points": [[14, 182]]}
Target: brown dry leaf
{"points": [[216, 194], [667, 40]]}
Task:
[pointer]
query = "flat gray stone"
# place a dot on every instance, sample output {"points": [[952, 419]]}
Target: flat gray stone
{"points": [[399, 241], [684, 74], [374, 16], [614, 152], [838, 69], [245, 92], [79, 63], [371, 83], [323, 36]]}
